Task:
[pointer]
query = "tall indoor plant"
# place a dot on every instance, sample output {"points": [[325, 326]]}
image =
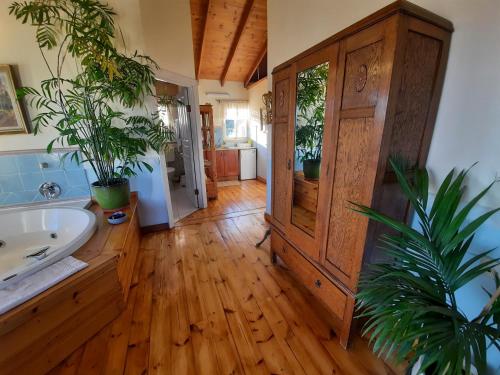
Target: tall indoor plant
{"points": [[410, 299], [82, 106], [311, 91]]}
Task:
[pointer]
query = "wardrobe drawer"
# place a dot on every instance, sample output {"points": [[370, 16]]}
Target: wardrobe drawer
{"points": [[309, 275]]}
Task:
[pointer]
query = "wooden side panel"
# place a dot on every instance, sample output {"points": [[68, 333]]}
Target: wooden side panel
{"points": [[128, 256], [280, 160], [85, 306], [417, 83], [352, 184], [280, 148]]}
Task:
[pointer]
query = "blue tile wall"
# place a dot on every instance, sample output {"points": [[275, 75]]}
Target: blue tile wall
{"points": [[21, 175]]}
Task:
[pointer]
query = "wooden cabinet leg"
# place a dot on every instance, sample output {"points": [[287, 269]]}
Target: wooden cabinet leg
{"points": [[274, 258]]}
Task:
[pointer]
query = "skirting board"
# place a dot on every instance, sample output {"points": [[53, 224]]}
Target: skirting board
{"points": [[261, 179], [155, 228]]}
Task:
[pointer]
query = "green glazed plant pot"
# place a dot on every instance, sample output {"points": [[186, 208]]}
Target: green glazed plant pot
{"points": [[114, 196], [311, 169]]}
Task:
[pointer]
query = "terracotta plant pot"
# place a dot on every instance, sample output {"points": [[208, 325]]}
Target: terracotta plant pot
{"points": [[113, 196]]}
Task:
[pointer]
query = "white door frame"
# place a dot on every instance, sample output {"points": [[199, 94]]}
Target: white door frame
{"points": [[192, 86]]}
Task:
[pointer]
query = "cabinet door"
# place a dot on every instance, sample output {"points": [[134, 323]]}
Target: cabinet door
{"points": [[232, 163], [365, 63], [280, 152], [313, 80], [220, 164]]}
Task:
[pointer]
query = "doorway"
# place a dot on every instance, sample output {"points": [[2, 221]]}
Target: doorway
{"points": [[180, 159]]}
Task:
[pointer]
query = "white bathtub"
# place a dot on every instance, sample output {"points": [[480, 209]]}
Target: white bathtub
{"points": [[31, 239]]}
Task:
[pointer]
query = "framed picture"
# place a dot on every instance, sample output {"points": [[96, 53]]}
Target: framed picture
{"points": [[11, 115]]}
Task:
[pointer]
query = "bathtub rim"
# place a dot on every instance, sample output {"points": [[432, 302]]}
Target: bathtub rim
{"points": [[69, 248]]}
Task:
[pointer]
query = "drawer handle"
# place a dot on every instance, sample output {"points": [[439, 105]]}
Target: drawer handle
{"points": [[318, 283]]}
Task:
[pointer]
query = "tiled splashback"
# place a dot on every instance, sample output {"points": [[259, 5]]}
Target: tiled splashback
{"points": [[22, 174]]}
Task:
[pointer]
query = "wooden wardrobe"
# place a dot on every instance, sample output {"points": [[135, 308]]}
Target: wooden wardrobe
{"points": [[383, 78]]}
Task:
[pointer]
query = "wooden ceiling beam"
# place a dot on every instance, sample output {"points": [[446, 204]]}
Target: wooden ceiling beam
{"points": [[256, 64], [236, 40], [202, 39]]}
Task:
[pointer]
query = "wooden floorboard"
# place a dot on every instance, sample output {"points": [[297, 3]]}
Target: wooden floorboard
{"points": [[204, 300], [231, 200]]}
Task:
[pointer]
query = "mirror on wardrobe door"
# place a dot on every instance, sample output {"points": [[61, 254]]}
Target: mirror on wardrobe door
{"points": [[309, 123]]}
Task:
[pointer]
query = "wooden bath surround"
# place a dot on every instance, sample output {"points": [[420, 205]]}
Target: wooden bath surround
{"points": [[40, 333]]}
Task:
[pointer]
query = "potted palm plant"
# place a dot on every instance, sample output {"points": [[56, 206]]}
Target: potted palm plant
{"points": [[311, 90], [409, 301], [83, 106]]}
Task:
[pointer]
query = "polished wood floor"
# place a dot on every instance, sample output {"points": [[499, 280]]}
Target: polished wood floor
{"points": [[248, 197], [205, 300]]}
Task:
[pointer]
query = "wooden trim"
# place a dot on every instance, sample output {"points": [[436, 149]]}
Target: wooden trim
{"points": [[267, 217], [252, 84], [202, 40], [256, 64], [398, 7], [236, 40], [155, 228], [353, 113], [261, 179]]}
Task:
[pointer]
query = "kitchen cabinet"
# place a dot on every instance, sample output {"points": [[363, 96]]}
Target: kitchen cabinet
{"points": [[228, 165]]}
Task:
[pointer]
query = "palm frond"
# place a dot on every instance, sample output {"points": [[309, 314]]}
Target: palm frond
{"points": [[409, 300]]}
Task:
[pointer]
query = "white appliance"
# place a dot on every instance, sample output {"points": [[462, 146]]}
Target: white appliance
{"points": [[248, 164]]}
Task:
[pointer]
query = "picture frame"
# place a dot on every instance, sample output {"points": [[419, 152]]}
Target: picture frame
{"points": [[12, 118]]}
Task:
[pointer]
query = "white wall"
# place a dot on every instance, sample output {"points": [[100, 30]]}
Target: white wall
{"points": [[166, 25], [235, 91], [160, 28], [468, 123], [258, 136], [467, 128]]}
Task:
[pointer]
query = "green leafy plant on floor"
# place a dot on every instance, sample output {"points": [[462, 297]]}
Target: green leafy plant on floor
{"points": [[410, 300], [82, 106], [311, 92]]}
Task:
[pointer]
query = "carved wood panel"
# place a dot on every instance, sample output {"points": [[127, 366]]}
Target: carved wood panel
{"points": [[280, 160], [352, 182], [281, 99], [420, 64], [362, 77]]}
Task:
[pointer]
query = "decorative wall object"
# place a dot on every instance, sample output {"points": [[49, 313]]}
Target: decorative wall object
{"points": [[267, 113], [11, 116]]}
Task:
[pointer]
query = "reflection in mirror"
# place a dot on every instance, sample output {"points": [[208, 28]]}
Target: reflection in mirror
{"points": [[309, 123]]}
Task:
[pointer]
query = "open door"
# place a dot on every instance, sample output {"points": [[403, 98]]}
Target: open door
{"points": [[186, 135], [179, 158]]}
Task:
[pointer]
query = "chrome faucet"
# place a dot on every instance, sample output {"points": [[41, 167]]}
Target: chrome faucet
{"points": [[50, 190]]}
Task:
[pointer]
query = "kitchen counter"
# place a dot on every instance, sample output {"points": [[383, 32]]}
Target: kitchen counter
{"points": [[234, 148]]}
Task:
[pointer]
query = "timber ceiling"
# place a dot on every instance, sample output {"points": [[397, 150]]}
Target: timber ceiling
{"points": [[229, 38]]}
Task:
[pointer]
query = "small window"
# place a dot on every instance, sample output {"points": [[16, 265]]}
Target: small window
{"points": [[230, 129], [236, 116]]}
